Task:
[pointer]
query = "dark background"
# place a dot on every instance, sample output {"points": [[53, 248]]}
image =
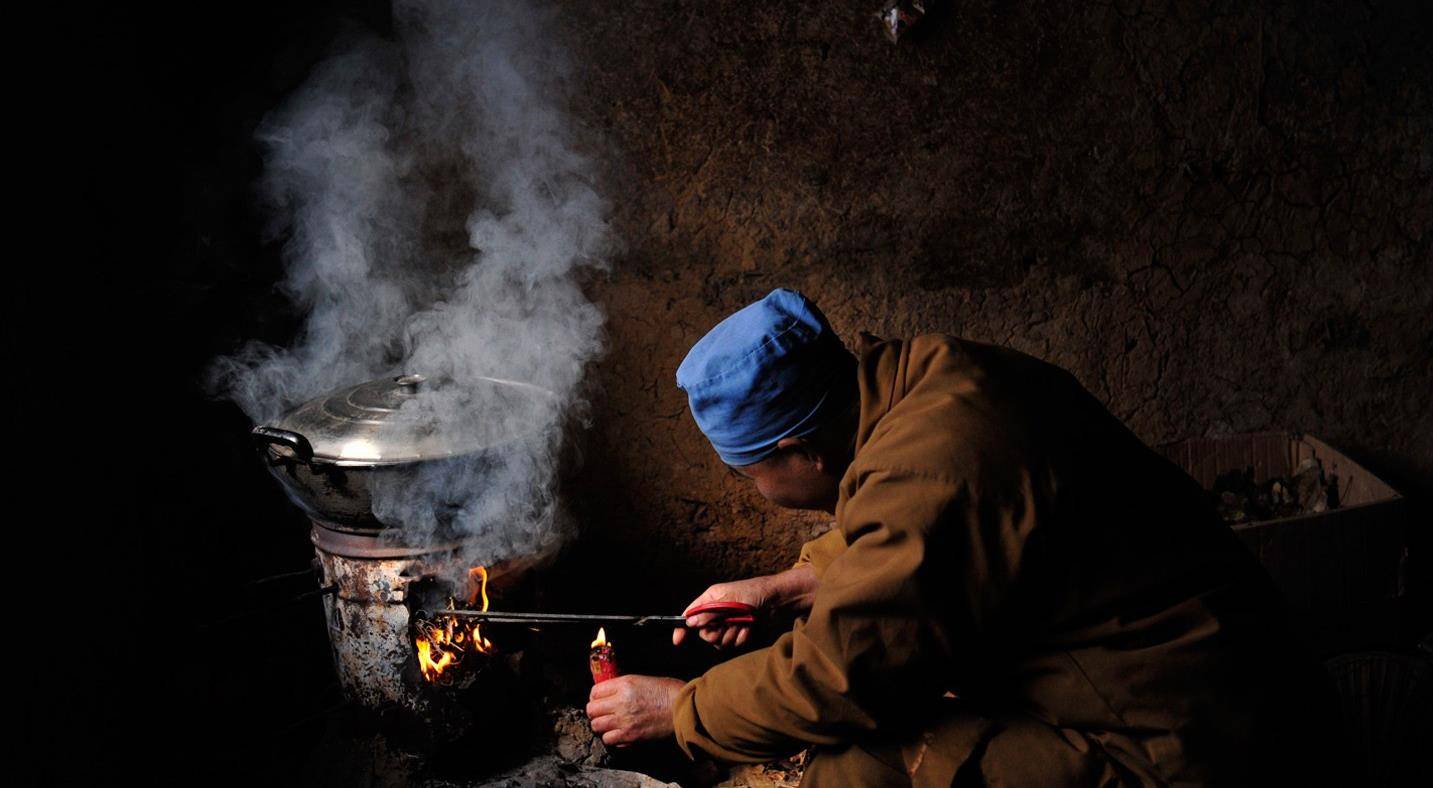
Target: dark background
{"points": [[1215, 214]]}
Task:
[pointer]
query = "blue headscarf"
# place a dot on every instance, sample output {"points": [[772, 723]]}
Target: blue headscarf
{"points": [[773, 370]]}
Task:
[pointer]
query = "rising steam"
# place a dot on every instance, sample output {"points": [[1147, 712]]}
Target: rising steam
{"points": [[437, 210]]}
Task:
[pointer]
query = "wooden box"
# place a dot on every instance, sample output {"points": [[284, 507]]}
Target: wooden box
{"points": [[1341, 570]]}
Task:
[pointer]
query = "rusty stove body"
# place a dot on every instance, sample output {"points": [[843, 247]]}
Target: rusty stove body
{"points": [[330, 455], [369, 614]]}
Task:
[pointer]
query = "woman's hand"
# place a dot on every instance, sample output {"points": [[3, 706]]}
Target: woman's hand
{"points": [[633, 708], [790, 590]]}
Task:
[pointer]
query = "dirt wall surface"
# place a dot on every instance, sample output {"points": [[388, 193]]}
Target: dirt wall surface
{"points": [[1214, 214]]}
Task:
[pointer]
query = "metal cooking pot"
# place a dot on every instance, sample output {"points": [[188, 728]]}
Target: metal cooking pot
{"points": [[330, 453]]}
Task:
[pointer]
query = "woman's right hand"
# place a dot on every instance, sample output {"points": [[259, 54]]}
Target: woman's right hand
{"points": [[792, 589]]}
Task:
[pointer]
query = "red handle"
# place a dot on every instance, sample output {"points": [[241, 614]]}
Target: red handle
{"points": [[726, 612]]}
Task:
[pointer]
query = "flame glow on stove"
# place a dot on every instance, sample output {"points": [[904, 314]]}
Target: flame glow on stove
{"points": [[442, 644]]}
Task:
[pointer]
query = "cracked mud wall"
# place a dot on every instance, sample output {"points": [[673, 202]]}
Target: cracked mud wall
{"points": [[1216, 215]]}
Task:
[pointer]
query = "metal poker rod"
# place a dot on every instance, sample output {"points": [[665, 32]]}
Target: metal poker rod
{"points": [[727, 612], [499, 617]]}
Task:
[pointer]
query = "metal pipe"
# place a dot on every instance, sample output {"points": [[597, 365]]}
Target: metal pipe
{"points": [[309, 571], [270, 608]]}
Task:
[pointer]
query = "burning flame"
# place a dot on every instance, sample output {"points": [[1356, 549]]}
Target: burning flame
{"points": [[478, 582], [601, 638], [481, 573], [442, 645]]}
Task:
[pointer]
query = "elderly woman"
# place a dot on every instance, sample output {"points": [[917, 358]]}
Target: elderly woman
{"points": [[1016, 590]]}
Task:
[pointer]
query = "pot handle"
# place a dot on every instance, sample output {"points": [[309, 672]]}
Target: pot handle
{"points": [[298, 446]]}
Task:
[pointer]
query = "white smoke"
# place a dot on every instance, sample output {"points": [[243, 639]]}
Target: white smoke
{"points": [[437, 209]]}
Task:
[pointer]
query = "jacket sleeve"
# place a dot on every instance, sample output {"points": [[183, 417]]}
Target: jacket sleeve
{"points": [[926, 562], [821, 551]]}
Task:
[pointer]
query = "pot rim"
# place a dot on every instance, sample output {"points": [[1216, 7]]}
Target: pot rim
{"points": [[286, 444]]}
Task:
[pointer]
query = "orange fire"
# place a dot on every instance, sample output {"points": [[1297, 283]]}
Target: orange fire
{"points": [[442, 645], [478, 583], [601, 638]]}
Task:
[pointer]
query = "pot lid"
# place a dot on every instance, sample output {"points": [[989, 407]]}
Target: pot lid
{"points": [[409, 418]]}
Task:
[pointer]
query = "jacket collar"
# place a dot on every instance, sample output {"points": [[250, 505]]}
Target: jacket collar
{"points": [[881, 380]]}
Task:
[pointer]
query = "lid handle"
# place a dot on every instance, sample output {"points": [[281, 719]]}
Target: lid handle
{"points": [[297, 445]]}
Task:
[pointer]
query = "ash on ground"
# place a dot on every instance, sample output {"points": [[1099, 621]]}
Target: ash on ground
{"points": [[784, 773], [579, 759], [1308, 490], [575, 741], [551, 770]]}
